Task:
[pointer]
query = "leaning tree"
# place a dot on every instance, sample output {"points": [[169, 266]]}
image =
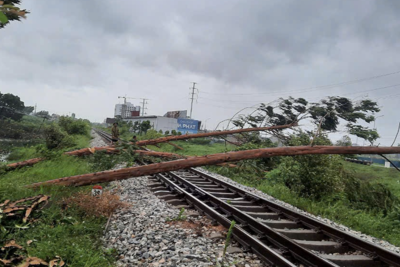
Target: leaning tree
{"points": [[326, 115]]}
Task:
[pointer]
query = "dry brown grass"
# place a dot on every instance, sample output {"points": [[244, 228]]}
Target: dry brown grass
{"points": [[98, 206]]}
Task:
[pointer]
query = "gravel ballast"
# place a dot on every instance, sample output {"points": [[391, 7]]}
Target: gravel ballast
{"points": [[144, 236]]}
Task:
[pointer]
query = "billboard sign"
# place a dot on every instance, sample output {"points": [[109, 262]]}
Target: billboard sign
{"points": [[176, 114], [187, 126]]}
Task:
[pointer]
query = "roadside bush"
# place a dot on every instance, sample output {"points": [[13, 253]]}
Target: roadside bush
{"points": [[24, 129], [309, 176], [173, 132], [312, 176], [74, 126], [56, 138], [368, 196], [200, 141], [151, 134]]}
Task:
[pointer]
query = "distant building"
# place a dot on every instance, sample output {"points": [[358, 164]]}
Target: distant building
{"points": [[173, 120], [126, 110], [176, 114]]}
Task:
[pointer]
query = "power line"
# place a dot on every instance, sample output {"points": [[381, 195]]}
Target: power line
{"points": [[258, 101], [144, 102], [314, 88], [192, 97]]}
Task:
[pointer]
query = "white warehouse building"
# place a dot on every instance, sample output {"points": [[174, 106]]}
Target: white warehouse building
{"points": [[157, 122], [179, 124]]}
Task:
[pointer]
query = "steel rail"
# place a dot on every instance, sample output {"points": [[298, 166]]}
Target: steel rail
{"points": [[263, 231], [264, 252], [376, 252]]}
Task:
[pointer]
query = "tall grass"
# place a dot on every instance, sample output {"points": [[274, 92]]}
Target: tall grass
{"points": [[58, 232]]}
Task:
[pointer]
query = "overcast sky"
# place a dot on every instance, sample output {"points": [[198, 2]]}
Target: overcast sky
{"points": [[79, 56]]}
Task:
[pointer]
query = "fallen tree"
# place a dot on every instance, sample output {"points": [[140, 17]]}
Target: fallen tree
{"points": [[111, 150], [200, 135], [92, 150], [108, 176]]}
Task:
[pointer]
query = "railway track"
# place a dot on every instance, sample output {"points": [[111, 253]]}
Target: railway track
{"points": [[278, 235]]}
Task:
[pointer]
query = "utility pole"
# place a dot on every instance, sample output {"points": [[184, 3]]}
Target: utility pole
{"points": [[192, 98], [144, 102]]}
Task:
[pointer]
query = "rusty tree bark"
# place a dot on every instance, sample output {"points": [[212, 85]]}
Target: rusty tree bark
{"points": [[88, 151], [190, 136], [108, 176], [91, 150]]}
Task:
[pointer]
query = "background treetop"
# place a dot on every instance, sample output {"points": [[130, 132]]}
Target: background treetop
{"points": [[327, 115], [9, 12]]}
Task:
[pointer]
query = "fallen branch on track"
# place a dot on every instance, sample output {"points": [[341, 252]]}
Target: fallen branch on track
{"points": [[108, 149], [92, 150], [121, 174]]}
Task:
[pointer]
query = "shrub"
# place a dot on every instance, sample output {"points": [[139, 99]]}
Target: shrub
{"points": [[200, 141], [152, 134], [57, 138], [367, 196], [173, 132], [167, 132], [312, 176], [74, 126]]}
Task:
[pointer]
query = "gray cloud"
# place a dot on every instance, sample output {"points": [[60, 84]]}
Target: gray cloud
{"points": [[98, 50]]}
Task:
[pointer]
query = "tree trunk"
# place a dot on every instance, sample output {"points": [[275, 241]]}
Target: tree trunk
{"points": [[28, 162], [92, 150], [190, 136], [108, 176]]}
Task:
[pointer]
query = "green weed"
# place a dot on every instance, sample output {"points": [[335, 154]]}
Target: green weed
{"points": [[180, 216]]}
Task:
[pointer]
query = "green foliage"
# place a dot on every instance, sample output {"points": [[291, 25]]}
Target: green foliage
{"points": [[180, 216], [167, 132], [228, 237], [10, 12], [199, 141], [11, 107], [28, 110], [160, 131], [57, 138], [312, 176], [145, 126], [3, 18], [74, 126], [375, 197], [75, 238], [151, 134], [363, 132], [179, 133], [43, 114], [27, 128], [173, 132], [326, 114], [345, 141]]}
